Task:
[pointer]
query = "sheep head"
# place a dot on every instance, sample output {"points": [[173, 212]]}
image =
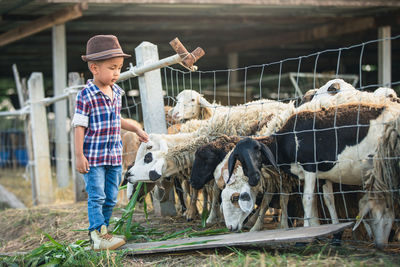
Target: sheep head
{"points": [[206, 159], [380, 218], [238, 200], [145, 163], [252, 154], [187, 106], [332, 87]]}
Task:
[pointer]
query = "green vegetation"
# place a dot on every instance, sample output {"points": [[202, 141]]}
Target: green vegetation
{"points": [[78, 253]]}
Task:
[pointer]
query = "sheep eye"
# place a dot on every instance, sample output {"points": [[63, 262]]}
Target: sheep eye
{"points": [[192, 99], [149, 147], [235, 198]]}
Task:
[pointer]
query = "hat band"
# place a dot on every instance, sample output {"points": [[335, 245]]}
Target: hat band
{"points": [[104, 53]]}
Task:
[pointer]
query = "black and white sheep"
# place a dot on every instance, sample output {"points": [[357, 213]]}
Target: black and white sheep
{"points": [[333, 143]]}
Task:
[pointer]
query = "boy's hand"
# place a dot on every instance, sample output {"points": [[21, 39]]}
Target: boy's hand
{"points": [[143, 136], [82, 164]]}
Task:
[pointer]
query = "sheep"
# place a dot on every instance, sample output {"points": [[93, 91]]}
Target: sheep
{"points": [[331, 88], [382, 186], [240, 120], [385, 91], [191, 105], [298, 146], [237, 205], [287, 187], [209, 156]]}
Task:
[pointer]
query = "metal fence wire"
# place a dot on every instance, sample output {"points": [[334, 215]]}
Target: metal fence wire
{"points": [[285, 81]]}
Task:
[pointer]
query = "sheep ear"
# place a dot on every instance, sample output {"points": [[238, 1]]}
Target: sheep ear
{"points": [[231, 164], [246, 202], [202, 101], [268, 154], [205, 108], [361, 215]]}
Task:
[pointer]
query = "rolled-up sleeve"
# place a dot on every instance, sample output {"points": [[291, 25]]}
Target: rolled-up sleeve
{"points": [[82, 110]]}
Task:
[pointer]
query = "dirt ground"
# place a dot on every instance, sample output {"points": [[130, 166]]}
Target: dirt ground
{"points": [[66, 221]]}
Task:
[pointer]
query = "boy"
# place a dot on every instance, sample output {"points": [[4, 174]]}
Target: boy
{"points": [[98, 146]]}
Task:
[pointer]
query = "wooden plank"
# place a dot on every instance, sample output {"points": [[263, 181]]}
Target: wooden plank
{"points": [[268, 237], [59, 17], [291, 3]]}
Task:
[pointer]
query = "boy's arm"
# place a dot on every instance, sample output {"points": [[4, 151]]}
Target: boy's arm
{"points": [[127, 125], [82, 164]]}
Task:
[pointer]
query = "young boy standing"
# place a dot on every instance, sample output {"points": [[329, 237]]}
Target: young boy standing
{"points": [[98, 146]]}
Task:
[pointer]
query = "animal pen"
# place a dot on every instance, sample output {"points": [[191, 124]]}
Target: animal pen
{"points": [[31, 146]]}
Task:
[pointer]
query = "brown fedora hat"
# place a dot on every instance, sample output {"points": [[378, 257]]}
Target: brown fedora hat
{"points": [[102, 47]]}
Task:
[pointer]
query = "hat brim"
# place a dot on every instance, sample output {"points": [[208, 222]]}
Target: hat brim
{"points": [[87, 58]]}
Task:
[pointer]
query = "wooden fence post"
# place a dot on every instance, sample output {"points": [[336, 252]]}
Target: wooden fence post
{"points": [[384, 57], [40, 138], [77, 178], [151, 96], [60, 107], [22, 95]]}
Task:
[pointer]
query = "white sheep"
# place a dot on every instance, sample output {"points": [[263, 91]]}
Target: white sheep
{"points": [[331, 88], [191, 105]]}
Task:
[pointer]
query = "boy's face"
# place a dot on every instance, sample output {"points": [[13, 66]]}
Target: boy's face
{"points": [[107, 72]]}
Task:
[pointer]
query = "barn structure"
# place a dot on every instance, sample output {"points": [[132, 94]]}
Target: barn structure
{"points": [[50, 35]]}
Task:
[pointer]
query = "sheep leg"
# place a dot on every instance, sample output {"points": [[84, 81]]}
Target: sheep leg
{"points": [[192, 210], [284, 200], [309, 205], [186, 191], [179, 192], [213, 216], [205, 199], [329, 200], [262, 210]]}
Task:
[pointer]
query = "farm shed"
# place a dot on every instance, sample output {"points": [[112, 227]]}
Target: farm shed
{"points": [[49, 37], [233, 33]]}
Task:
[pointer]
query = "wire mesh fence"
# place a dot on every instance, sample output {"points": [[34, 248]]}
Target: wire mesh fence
{"points": [[226, 91], [287, 81]]}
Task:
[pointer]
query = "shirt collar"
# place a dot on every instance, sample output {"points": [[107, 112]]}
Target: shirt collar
{"points": [[93, 89]]}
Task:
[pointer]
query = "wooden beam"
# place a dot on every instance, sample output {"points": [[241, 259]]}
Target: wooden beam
{"points": [[58, 17], [313, 34], [286, 3]]}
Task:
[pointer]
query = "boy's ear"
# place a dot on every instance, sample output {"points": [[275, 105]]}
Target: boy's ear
{"points": [[93, 67]]}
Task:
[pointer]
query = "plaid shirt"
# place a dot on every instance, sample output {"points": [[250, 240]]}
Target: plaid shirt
{"points": [[102, 118]]}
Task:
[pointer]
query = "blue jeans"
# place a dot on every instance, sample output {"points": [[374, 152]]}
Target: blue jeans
{"points": [[102, 184]]}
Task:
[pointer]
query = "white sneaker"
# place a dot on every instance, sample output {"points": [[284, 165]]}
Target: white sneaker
{"points": [[104, 240]]}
